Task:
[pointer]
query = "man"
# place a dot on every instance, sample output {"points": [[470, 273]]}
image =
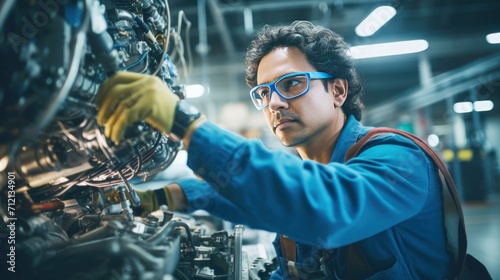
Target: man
{"points": [[382, 209]]}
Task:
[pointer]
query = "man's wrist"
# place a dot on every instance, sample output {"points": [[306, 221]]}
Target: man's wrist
{"points": [[175, 198], [185, 115], [191, 129]]}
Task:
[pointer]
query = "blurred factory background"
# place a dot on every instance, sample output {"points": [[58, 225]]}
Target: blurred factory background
{"points": [[447, 92]]}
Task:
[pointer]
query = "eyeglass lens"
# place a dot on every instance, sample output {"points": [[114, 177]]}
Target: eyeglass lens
{"points": [[288, 87]]}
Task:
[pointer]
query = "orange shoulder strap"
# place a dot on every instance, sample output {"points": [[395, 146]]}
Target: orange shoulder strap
{"points": [[288, 248]]}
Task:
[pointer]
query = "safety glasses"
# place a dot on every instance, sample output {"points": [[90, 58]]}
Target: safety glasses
{"points": [[288, 87]]}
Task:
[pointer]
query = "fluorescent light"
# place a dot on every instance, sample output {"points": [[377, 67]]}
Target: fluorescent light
{"points": [[375, 20], [433, 140], [387, 49], [493, 38], [478, 106], [194, 91], [483, 105], [462, 107]]}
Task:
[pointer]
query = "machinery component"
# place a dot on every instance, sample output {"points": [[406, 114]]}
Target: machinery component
{"points": [[57, 169], [48, 134], [262, 268], [238, 243]]}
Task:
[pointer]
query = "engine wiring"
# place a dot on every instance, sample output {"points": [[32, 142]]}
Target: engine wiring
{"points": [[167, 38]]}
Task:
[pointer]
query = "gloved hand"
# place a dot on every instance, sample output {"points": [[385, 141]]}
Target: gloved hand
{"points": [[149, 200], [129, 97]]}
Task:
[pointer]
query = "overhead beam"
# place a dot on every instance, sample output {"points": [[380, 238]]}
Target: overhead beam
{"points": [[439, 88], [222, 27], [292, 4]]}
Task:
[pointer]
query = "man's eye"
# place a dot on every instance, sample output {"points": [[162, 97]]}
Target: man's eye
{"points": [[264, 93], [292, 83]]}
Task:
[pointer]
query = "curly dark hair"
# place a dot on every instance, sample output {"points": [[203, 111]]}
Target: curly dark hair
{"points": [[325, 50]]}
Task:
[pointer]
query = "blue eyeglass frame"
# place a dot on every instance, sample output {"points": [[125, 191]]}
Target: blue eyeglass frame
{"points": [[272, 85]]}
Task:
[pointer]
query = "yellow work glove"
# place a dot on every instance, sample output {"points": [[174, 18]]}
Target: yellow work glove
{"points": [[128, 97], [149, 200]]}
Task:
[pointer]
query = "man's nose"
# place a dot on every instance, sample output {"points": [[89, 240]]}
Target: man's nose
{"points": [[276, 102]]}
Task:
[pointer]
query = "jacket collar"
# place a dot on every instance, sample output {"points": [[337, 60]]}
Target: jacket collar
{"points": [[351, 133]]}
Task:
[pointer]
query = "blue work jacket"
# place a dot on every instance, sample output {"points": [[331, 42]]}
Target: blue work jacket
{"points": [[387, 200]]}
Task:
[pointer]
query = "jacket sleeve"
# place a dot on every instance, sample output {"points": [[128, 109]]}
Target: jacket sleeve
{"points": [[338, 203]]}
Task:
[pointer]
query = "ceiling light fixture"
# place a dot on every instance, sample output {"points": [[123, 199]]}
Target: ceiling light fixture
{"points": [[462, 107], [493, 38], [478, 106], [483, 105], [388, 49], [375, 20]]}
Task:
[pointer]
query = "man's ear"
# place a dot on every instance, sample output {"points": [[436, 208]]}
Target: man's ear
{"points": [[339, 87]]}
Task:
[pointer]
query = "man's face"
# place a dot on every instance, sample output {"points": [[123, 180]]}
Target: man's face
{"points": [[298, 121]]}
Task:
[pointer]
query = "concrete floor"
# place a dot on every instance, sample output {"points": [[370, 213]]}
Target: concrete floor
{"points": [[482, 223]]}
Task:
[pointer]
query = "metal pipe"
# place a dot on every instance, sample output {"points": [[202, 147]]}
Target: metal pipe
{"points": [[5, 9], [224, 32], [457, 174], [238, 258]]}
